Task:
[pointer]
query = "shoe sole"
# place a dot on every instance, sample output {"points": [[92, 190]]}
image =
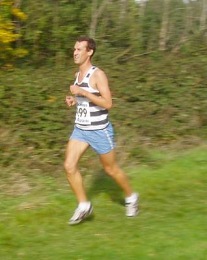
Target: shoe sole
{"points": [[131, 216], [84, 218], [137, 212]]}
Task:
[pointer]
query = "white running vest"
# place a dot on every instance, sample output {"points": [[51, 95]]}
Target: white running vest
{"points": [[88, 115]]}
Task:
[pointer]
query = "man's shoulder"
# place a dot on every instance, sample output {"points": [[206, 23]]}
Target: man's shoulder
{"points": [[99, 72]]}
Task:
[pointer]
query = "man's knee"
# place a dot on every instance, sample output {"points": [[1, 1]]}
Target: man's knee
{"points": [[70, 168], [111, 170]]}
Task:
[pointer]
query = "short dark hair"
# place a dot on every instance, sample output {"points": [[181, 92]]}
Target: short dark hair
{"points": [[91, 44]]}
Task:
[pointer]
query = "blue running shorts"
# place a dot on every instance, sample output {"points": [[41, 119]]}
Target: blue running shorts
{"points": [[102, 141]]}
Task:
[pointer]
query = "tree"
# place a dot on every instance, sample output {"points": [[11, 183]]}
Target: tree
{"points": [[203, 16], [122, 27], [52, 25], [97, 11], [164, 26], [10, 16]]}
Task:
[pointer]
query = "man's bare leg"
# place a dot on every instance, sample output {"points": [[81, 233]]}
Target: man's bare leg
{"points": [[74, 151], [112, 169]]}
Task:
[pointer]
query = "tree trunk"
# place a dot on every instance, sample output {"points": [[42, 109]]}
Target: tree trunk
{"points": [[142, 7], [203, 16], [57, 43], [188, 27], [188, 23], [123, 4], [17, 4], [97, 11], [164, 26]]}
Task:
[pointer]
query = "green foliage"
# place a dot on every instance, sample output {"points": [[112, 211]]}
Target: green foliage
{"points": [[35, 209], [51, 28], [33, 113], [158, 100], [159, 97], [9, 33], [47, 29]]}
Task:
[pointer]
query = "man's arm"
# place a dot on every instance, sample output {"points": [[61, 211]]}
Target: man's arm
{"points": [[100, 82]]}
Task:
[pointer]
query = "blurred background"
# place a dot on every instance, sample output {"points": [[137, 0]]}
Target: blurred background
{"points": [[154, 53]]}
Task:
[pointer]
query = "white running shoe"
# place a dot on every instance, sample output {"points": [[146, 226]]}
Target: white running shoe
{"points": [[132, 208], [80, 215]]}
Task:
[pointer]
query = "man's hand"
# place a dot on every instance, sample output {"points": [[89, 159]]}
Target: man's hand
{"points": [[70, 101], [76, 90]]}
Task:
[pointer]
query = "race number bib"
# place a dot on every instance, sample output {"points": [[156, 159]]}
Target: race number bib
{"points": [[83, 114]]}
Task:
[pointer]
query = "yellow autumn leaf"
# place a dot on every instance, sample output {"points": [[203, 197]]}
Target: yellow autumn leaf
{"points": [[19, 14], [20, 52], [52, 99], [7, 37]]}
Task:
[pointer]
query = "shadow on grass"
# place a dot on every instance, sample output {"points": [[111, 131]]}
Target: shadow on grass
{"points": [[102, 183]]}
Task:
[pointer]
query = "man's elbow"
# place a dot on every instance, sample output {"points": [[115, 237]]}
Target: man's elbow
{"points": [[109, 106]]}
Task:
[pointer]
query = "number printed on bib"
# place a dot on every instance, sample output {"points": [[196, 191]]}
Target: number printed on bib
{"points": [[83, 114]]}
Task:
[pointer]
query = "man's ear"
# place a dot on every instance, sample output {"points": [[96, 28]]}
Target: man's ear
{"points": [[90, 52]]}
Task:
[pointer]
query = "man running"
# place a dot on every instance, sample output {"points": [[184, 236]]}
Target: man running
{"points": [[92, 97]]}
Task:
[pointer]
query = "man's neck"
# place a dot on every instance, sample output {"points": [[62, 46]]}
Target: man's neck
{"points": [[85, 67]]}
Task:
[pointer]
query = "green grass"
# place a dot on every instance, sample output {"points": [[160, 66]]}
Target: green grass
{"points": [[172, 222], [154, 106]]}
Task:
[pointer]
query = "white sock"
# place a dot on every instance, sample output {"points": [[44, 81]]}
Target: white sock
{"points": [[84, 205], [131, 198]]}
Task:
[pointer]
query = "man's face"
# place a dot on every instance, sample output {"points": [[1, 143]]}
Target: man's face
{"points": [[80, 53]]}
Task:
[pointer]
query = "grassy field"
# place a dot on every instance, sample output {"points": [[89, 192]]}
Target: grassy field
{"points": [[172, 223], [159, 121], [160, 118]]}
